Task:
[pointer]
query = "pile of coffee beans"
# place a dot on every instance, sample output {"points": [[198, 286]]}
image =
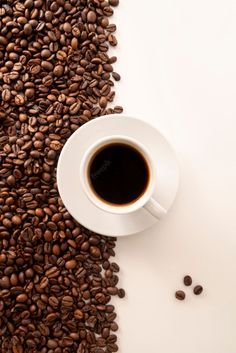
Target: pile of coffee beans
{"points": [[56, 278], [187, 280]]}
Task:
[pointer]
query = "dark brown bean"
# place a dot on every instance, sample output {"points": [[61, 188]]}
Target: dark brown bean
{"points": [[121, 293], [67, 301], [58, 70], [27, 29], [187, 280], [114, 2], [21, 298], [91, 17], [6, 95], [71, 264], [67, 27], [116, 76], [78, 314], [114, 326], [103, 102], [180, 295], [198, 289], [95, 251]]}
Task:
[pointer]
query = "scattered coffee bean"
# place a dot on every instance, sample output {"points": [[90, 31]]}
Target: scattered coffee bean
{"points": [[116, 76], [91, 17], [114, 2], [180, 295], [187, 281], [197, 289], [121, 293], [56, 277]]}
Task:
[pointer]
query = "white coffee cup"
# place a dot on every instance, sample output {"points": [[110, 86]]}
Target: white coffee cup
{"points": [[145, 200]]}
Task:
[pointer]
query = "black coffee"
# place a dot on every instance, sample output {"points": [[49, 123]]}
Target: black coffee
{"points": [[118, 173]]}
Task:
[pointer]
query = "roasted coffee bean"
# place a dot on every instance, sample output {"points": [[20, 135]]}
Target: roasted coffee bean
{"points": [[121, 293], [21, 298], [78, 314], [118, 109], [114, 2], [187, 280], [91, 17], [67, 342], [71, 264], [116, 76], [198, 289], [112, 290], [95, 251], [56, 277], [4, 282], [67, 301], [6, 95], [58, 70], [114, 326], [180, 295]]}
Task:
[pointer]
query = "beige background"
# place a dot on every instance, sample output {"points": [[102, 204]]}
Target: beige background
{"points": [[178, 65]]}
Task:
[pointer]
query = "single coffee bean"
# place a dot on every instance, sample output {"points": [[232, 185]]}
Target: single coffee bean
{"points": [[116, 76], [4, 282], [91, 17], [29, 273], [114, 326], [78, 314], [27, 29], [44, 283], [3, 41], [114, 2], [103, 102], [46, 65], [19, 99], [52, 344], [67, 301], [67, 341], [187, 280], [180, 295], [71, 264], [121, 293], [43, 329], [11, 180], [6, 95], [45, 53], [74, 43], [52, 272], [198, 289], [3, 258], [53, 301], [16, 220], [58, 70], [112, 40], [95, 251], [118, 109], [67, 27], [114, 267], [112, 290], [21, 298]]}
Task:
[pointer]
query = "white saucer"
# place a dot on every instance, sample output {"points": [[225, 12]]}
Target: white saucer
{"points": [[71, 190]]}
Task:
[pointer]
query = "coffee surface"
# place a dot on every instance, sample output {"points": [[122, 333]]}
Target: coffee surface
{"points": [[118, 173]]}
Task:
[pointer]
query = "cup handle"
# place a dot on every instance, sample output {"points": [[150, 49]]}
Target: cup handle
{"points": [[156, 210]]}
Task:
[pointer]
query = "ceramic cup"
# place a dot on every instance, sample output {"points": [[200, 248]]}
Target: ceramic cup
{"points": [[145, 200]]}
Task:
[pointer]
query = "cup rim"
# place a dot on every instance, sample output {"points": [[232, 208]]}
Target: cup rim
{"points": [[96, 200]]}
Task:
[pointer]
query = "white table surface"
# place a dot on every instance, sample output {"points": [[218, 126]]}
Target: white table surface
{"points": [[178, 65]]}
